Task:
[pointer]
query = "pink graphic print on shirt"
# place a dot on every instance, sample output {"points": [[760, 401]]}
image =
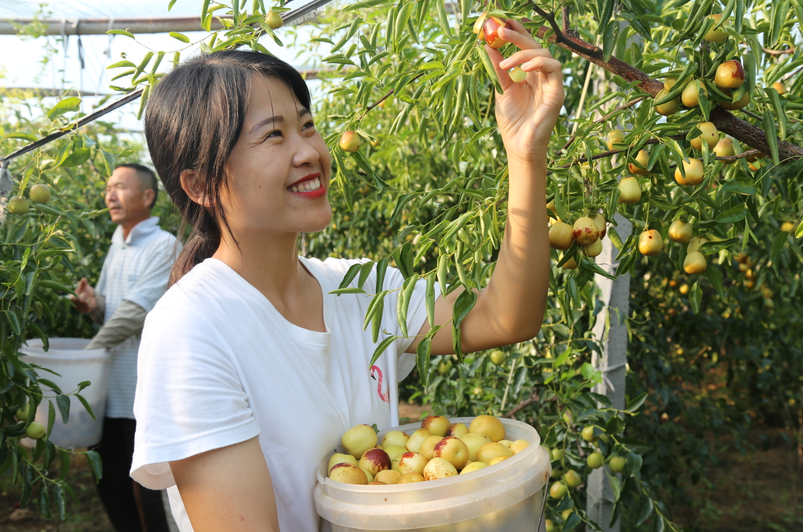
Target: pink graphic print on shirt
{"points": [[384, 396]]}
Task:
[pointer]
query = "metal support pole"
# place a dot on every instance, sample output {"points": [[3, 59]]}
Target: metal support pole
{"points": [[610, 328]]}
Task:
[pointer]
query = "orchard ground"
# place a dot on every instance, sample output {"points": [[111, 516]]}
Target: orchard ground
{"points": [[758, 491]]}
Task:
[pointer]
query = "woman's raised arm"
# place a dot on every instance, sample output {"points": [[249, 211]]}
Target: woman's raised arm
{"points": [[511, 308]]}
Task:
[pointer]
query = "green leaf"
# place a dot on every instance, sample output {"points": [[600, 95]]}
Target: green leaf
{"points": [[365, 270], [350, 275], [562, 358], [696, 297], [644, 509], [634, 404], [61, 503], [66, 105], [86, 405], [777, 245], [587, 371], [44, 501], [734, 214], [375, 307], [63, 402], [772, 135], [715, 246], [616, 486], [713, 274], [463, 305], [381, 268], [572, 522], [381, 349], [76, 158], [180, 36], [64, 464], [51, 416], [350, 290], [422, 356], [430, 299], [95, 464], [121, 32], [634, 463]]}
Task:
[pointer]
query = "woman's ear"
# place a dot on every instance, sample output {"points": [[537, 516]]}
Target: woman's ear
{"points": [[193, 186]]}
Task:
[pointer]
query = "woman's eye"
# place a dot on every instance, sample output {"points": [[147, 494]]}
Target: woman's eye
{"points": [[309, 124], [274, 134]]}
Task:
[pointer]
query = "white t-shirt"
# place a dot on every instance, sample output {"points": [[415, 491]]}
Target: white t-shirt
{"points": [[218, 362], [137, 268]]}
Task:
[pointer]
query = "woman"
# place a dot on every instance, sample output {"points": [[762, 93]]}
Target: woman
{"points": [[249, 370]]}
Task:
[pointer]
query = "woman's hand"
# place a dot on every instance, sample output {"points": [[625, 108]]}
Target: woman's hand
{"points": [[527, 111]]}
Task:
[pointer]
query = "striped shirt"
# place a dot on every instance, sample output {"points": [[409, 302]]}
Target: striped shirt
{"points": [[136, 269]]}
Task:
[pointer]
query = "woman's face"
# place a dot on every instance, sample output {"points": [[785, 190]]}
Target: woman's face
{"points": [[278, 172]]}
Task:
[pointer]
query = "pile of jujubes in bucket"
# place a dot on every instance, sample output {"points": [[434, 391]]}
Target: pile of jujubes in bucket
{"points": [[439, 449]]}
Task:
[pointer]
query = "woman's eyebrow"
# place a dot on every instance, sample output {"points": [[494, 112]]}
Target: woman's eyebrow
{"points": [[273, 119]]}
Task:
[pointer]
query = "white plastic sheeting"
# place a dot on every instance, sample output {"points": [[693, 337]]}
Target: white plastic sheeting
{"points": [[83, 9]]}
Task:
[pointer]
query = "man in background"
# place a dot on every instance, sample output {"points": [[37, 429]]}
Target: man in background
{"points": [[133, 278]]}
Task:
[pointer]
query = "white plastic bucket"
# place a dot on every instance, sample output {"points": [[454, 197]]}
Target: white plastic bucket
{"points": [[74, 364], [505, 497]]}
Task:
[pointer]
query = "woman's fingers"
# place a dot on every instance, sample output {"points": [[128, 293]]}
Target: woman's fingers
{"points": [[501, 73], [522, 56], [518, 35]]}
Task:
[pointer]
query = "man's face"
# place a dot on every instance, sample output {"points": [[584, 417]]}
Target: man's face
{"points": [[127, 202]]}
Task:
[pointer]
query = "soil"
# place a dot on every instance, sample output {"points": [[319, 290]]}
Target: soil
{"points": [[760, 491]]}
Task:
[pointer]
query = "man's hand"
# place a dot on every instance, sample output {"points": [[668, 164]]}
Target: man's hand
{"points": [[85, 302]]}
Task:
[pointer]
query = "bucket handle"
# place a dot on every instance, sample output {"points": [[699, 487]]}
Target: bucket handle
{"points": [[543, 505]]}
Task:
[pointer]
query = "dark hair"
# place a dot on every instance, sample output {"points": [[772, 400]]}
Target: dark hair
{"points": [[146, 177], [192, 122]]}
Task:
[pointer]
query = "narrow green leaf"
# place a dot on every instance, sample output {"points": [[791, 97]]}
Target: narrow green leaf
{"points": [[634, 404], [61, 504], [733, 214], [375, 307], [616, 485], [51, 417], [772, 135], [443, 272], [463, 305], [381, 349], [44, 501], [562, 358], [64, 466], [713, 274], [350, 275], [381, 268], [121, 64], [63, 402], [644, 509], [422, 356], [350, 290], [365, 270], [572, 522], [66, 105], [634, 463], [95, 464], [430, 299], [777, 245], [86, 405], [122, 32], [180, 36], [696, 297]]}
